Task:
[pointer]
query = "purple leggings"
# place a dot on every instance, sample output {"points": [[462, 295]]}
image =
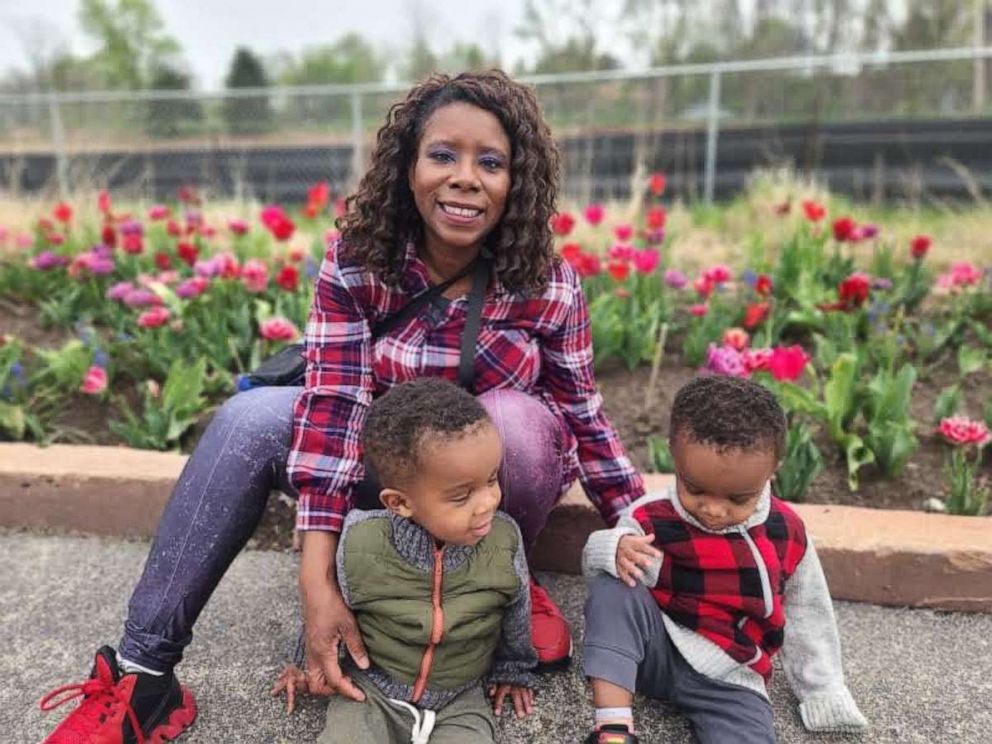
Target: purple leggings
{"points": [[221, 494]]}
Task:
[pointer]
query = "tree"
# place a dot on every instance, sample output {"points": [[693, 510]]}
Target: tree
{"points": [[565, 33], [172, 117], [466, 58], [350, 59], [132, 41], [251, 114]]}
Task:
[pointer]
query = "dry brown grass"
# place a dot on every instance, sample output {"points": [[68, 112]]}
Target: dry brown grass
{"points": [[700, 236]]}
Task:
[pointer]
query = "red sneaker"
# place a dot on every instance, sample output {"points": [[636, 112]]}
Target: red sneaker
{"points": [[121, 708], [549, 631]]}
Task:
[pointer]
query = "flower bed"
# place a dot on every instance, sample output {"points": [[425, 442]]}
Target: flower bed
{"points": [[122, 327]]}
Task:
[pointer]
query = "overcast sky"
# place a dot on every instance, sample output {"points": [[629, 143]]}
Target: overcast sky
{"points": [[209, 30]]}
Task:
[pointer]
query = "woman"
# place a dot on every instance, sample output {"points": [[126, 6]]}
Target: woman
{"points": [[463, 170]]}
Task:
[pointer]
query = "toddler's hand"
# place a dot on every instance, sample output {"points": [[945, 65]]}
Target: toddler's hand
{"points": [[523, 698], [635, 552], [292, 680]]}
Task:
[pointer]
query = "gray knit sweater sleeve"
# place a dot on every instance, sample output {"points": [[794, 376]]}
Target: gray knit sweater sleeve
{"points": [[600, 552], [811, 654], [515, 657]]}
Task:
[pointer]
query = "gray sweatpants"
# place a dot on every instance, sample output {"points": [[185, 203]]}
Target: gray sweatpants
{"points": [[626, 643]]}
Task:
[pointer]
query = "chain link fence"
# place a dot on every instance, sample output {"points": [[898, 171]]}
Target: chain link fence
{"points": [[865, 123]]}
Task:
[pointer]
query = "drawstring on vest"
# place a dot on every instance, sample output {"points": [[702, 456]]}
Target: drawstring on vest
{"points": [[422, 727]]}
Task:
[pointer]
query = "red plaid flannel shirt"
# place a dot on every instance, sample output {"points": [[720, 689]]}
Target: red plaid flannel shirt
{"points": [[541, 346], [711, 583]]}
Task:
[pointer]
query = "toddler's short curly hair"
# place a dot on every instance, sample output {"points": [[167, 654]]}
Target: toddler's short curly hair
{"points": [[728, 413], [399, 423]]}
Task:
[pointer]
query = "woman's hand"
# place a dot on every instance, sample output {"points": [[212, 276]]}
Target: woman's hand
{"points": [[328, 621], [523, 698], [635, 553]]}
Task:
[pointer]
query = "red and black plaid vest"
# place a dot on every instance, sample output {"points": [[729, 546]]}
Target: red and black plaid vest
{"points": [[711, 583]]}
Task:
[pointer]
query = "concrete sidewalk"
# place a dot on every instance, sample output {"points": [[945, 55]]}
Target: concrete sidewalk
{"points": [[919, 676]]}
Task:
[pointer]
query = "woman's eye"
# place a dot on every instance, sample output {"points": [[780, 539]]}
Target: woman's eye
{"points": [[491, 163], [442, 157]]}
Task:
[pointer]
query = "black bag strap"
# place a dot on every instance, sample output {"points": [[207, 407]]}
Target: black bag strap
{"points": [[406, 313], [473, 319]]}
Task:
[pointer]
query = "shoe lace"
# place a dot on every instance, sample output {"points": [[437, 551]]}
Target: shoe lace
{"points": [[99, 694]]}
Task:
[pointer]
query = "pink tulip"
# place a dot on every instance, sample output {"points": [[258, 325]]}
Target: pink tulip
{"points": [[95, 381], [154, 318], [278, 329], [623, 232], [255, 275], [594, 214], [647, 260]]}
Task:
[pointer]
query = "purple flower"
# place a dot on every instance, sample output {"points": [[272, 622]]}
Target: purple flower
{"points": [[675, 279], [192, 287], [101, 266], [101, 358], [654, 237], [749, 278], [140, 298], [725, 360], [132, 227], [206, 267], [119, 291], [881, 283], [102, 251], [48, 260], [867, 232]]}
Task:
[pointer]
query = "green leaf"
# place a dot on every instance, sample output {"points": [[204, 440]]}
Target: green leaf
{"points": [[183, 389], [839, 395], [857, 454], [660, 455], [12, 421], [970, 360], [947, 404], [795, 399], [801, 464]]}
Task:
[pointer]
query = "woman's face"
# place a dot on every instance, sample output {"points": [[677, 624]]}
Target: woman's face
{"points": [[461, 177]]}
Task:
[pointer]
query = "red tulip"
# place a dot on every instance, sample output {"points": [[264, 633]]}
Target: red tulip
{"points": [[657, 184], [961, 431], [845, 230], [288, 277], [854, 290], [656, 218], [623, 232], [103, 202], [619, 270], [699, 309], [571, 251], [763, 285], [63, 213], [163, 261], [594, 214], [814, 211], [788, 363], [562, 223], [154, 318], [278, 329], [756, 313], [919, 246], [187, 252]]}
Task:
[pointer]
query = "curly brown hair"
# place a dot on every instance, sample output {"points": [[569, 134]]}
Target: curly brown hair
{"points": [[728, 413], [381, 217]]}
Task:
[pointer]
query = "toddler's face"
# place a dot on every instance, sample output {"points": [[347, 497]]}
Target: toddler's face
{"points": [[720, 488], [455, 493]]}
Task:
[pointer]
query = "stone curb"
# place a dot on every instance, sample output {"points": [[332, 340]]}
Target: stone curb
{"points": [[887, 557]]}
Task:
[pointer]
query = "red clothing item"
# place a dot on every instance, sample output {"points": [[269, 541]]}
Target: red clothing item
{"points": [[541, 346], [728, 587]]}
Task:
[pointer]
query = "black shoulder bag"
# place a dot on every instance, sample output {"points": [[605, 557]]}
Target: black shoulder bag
{"points": [[287, 367]]}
